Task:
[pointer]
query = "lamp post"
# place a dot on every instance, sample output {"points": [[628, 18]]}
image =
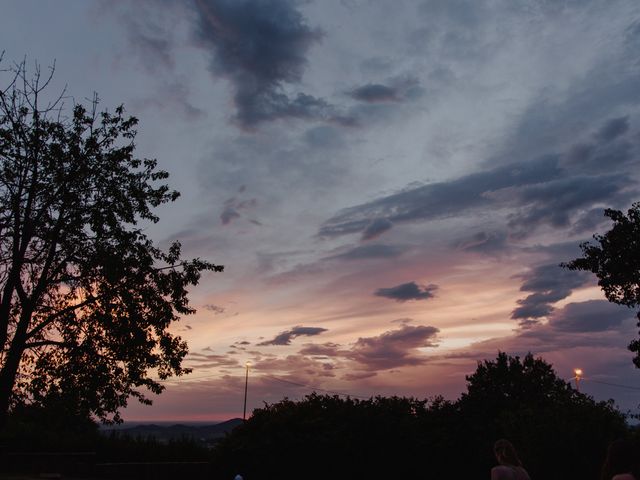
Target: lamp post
{"points": [[578, 377], [246, 384]]}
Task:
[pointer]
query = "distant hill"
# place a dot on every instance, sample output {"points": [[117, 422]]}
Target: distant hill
{"points": [[202, 433]]}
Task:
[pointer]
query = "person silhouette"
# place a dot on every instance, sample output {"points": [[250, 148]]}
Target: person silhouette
{"points": [[510, 467], [620, 462]]}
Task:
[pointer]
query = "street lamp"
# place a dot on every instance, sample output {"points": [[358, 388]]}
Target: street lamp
{"points": [[578, 377], [246, 383]]}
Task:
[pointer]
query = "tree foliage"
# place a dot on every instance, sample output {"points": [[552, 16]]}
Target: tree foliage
{"points": [[324, 436], [86, 298], [615, 259], [559, 432]]}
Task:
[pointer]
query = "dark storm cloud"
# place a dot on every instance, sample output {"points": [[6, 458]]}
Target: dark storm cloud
{"points": [[407, 291], [365, 252], [443, 199], [285, 337], [261, 47], [395, 348], [549, 284]]}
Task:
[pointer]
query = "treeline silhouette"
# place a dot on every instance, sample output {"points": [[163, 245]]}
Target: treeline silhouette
{"points": [[559, 432], [57, 429]]}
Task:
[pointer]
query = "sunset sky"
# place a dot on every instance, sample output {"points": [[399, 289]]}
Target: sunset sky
{"points": [[390, 185]]}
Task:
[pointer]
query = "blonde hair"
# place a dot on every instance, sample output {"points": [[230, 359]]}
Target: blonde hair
{"points": [[506, 453]]}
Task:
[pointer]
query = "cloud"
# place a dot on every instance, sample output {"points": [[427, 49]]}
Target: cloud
{"points": [[328, 349], [556, 202], [611, 150], [395, 348], [261, 47], [296, 365], [442, 199], [391, 349], [589, 316], [589, 221], [365, 252], [201, 360], [483, 242], [398, 89], [554, 189], [354, 376], [613, 129], [324, 137], [407, 291], [549, 283], [376, 228], [589, 324], [403, 321], [175, 97], [214, 308], [374, 92], [285, 337], [149, 31], [232, 208]]}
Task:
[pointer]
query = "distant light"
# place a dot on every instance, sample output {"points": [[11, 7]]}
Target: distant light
{"points": [[248, 363], [578, 372]]}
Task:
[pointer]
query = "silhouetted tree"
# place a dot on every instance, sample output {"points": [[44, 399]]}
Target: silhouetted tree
{"points": [[86, 298], [325, 437], [615, 260], [559, 432]]}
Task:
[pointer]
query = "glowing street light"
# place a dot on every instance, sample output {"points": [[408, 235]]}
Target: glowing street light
{"points": [[578, 377], [246, 383]]}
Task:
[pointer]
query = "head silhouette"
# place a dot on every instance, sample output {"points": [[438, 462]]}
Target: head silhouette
{"points": [[506, 453], [620, 459]]}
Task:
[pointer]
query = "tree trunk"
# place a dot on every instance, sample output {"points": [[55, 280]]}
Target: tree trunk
{"points": [[11, 365], [5, 395], [7, 381]]}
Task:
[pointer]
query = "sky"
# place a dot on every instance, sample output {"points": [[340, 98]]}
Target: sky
{"points": [[391, 186]]}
